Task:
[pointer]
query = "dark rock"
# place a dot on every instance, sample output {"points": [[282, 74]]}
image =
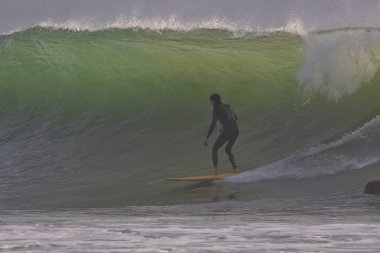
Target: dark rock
{"points": [[372, 188]]}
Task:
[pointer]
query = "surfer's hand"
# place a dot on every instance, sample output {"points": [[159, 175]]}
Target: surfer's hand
{"points": [[206, 141], [221, 130]]}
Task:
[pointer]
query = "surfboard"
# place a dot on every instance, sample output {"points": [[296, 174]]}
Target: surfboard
{"points": [[202, 178]]}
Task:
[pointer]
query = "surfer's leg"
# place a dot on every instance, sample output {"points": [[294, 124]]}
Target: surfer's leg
{"points": [[222, 139], [228, 149]]}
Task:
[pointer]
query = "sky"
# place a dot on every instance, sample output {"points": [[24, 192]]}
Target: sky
{"points": [[261, 14]]}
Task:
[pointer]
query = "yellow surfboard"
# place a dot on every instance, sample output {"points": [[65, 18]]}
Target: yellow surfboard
{"points": [[202, 178]]}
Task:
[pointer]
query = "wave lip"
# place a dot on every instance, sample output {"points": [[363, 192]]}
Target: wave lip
{"points": [[172, 23]]}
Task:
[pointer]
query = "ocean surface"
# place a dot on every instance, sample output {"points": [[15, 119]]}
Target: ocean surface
{"points": [[91, 120]]}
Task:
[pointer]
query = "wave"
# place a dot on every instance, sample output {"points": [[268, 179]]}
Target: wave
{"points": [[90, 118]]}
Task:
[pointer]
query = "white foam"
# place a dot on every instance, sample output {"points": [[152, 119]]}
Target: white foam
{"points": [[338, 63], [321, 14], [171, 23], [160, 233], [18, 29], [154, 23], [296, 26], [324, 159]]}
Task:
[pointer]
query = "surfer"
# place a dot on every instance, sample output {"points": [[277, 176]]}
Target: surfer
{"points": [[228, 133]]}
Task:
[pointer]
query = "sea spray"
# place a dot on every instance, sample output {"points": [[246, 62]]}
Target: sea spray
{"points": [[338, 63]]}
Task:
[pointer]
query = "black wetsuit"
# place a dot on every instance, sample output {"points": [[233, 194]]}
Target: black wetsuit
{"points": [[227, 117]]}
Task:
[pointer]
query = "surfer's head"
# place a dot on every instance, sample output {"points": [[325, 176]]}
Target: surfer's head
{"points": [[215, 99]]}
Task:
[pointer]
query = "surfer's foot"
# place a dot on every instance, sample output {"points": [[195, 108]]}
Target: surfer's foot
{"points": [[216, 172], [236, 170]]}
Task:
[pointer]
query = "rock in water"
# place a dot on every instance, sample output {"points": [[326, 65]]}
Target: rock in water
{"points": [[372, 188]]}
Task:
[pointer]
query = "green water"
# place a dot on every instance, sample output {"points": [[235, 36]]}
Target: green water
{"points": [[96, 119]]}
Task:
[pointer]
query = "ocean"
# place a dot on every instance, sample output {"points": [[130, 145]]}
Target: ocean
{"points": [[92, 118]]}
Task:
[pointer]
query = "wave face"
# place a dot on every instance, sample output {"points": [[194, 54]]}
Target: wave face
{"points": [[96, 119]]}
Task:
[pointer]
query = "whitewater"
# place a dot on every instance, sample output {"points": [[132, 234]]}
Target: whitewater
{"points": [[96, 109]]}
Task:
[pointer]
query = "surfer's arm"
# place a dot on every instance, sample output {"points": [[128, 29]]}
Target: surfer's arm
{"points": [[212, 125]]}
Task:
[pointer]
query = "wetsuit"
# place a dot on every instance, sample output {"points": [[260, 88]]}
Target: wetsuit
{"points": [[227, 117]]}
